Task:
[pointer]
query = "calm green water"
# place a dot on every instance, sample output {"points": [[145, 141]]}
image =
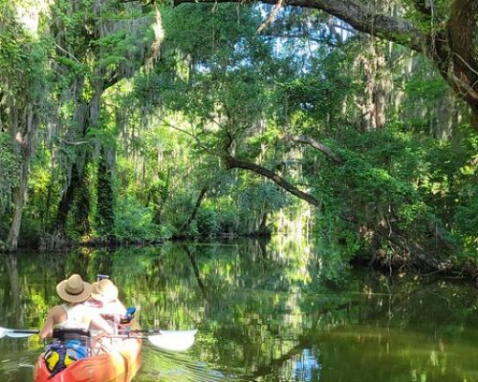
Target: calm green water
{"points": [[265, 312]]}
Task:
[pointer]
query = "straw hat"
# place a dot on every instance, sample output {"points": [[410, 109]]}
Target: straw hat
{"points": [[104, 290], [74, 289]]}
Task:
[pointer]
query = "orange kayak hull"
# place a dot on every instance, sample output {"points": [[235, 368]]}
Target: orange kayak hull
{"points": [[120, 365]]}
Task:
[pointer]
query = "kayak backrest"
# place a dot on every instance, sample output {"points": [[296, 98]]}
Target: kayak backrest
{"points": [[70, 333], [66, 334]]}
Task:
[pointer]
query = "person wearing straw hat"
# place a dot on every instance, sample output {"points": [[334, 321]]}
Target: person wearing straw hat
{"points": [[104, 299], [73, 313]]}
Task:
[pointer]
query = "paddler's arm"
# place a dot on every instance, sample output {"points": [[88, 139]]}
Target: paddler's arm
{"points": [[47, 327], [54, 315]]}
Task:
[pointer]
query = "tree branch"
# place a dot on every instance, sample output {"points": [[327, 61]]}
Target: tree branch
{"points": [[316, 145], [232, 162], [318, 41], [272, 16], [361, 17], [199, 143]]}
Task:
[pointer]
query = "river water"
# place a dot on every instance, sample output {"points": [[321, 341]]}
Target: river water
{"points": [[276, 311]]}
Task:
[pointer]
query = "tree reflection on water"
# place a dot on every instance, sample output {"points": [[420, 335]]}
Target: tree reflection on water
{"points": [[277, 311]]}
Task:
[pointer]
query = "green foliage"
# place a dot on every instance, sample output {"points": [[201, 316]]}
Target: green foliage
{"points": [[22, 58], [379, 186], [134, 221], [8, 170], [207, 221], [153, 133], [105, 207]]}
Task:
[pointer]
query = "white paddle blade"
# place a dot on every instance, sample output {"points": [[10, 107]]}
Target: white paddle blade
{"points": [[173, 340], [16, 333], [3, 332]]}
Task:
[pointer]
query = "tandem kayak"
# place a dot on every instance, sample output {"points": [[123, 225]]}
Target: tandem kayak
{"points": [[117, 365]]}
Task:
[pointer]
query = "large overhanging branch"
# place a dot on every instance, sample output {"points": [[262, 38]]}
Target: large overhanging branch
{"points": [[450, 44], [316, 145], [361, 17], [232, 162]]}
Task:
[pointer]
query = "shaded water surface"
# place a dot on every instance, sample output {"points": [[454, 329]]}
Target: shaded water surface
{"points": [[279, 311]]}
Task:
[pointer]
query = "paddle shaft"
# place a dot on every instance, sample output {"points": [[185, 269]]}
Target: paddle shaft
{"points": [[166, 340], [124, 336], [23, 331], [160, 331], [142, 331]]}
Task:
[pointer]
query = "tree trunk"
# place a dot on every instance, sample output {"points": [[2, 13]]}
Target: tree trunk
{"points": [[462, 33], [26, 143], [20, 196], [262, 230], [447, 117], [82, 203], [66, 201], [163, 198], [80, 127], [77, 190], [191, 218], [105, 205], [366, 102]]}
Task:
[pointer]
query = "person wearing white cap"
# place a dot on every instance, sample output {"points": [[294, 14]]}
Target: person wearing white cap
{"points": [[73, 313]]}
